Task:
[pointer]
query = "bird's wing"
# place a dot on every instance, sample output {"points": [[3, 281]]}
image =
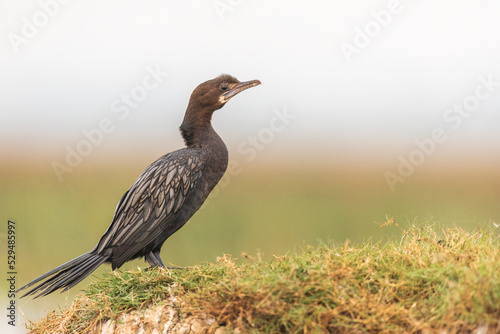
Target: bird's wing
{"points": [[150, 205]]}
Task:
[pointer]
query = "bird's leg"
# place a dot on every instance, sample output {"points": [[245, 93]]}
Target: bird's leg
{"points": [[154, 259], [156, 254]]}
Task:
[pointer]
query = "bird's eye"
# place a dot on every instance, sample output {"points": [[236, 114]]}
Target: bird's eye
{"points": [[223, 87]]}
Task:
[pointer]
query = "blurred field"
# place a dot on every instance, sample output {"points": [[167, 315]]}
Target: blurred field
{"points": [[267, 208]]}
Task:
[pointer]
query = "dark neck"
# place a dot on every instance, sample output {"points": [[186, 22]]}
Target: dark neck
{"points": [[196, 129]]}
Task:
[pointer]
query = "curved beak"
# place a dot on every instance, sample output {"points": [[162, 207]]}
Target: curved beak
{"points": [[239, 88]]}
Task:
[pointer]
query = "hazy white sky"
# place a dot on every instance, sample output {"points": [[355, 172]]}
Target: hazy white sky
{"points": [[365, 74]]}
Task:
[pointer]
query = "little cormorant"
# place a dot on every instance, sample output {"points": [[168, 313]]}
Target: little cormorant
{"points": [[164, 196]]}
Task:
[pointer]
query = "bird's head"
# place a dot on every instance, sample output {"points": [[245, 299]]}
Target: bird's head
{"points": [[207, 98], [214, 94]]}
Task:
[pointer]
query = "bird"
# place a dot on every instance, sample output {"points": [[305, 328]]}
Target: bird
{"points": [[163, 198]]}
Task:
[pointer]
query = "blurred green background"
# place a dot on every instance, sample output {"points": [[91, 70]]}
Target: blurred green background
{"points": [[268, 208]]}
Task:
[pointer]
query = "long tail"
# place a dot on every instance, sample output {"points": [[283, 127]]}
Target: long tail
{"points": [[66, 275]]}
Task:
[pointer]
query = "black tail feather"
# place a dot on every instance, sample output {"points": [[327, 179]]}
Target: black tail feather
{"points": [[66, 275]]}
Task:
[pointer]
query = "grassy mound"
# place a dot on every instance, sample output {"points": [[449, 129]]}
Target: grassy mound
{"points": [[429, 280]]}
